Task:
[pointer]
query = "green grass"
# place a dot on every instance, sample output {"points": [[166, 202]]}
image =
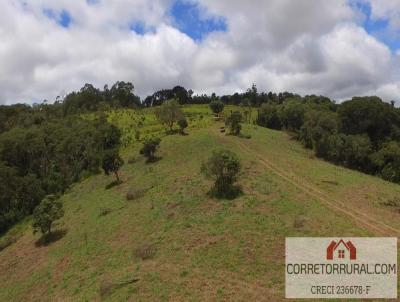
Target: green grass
{"points": [[205, 249]]}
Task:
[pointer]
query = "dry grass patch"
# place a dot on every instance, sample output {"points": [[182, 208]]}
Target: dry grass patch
{"points": [[393, 203], [135, 194], [145, 251], [107, 286]]}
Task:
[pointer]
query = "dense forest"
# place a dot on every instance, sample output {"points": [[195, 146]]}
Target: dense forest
{"points": [[44, 148]]}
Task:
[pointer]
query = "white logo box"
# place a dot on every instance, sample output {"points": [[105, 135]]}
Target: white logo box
{"points": [[341, 267]]}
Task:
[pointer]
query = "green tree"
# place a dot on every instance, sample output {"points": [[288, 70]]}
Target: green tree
{"points": [[368, 115], [150, 147], [122, 93], [217, 107], [386, 161], [183, 124], [47, 157], [112, 162], [223, 167], [234, 122], [44, 215], [318, 126], [293, 115], [19, 195], [337, 148], [269, 117], [169, 113], [358, 149]]}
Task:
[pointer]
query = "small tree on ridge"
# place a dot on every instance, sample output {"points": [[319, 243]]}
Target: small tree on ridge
{"points": [[48, 211], [223, 167]]}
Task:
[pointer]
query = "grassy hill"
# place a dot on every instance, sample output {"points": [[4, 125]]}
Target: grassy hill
{"points": [[174, 242]]}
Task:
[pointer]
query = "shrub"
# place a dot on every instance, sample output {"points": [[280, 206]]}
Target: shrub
{"points": [[112, 162], [395, 202], [223, 167], [217, 107], [183, 124], [269, 117], [150, 147], [391, 173], [169, 113], [44, 215], [233, 122]]}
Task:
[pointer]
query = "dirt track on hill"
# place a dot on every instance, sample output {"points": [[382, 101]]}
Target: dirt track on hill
{"points": [[359, 217]]}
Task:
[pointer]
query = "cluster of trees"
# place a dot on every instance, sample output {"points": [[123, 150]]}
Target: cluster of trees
{"points": [[122, 95], [46, 158], [362, 133], [178, 93], [89, 98], [249, 98], [44, 148]]}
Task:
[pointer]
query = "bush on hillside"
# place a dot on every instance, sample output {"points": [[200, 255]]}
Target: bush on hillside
{"points": [[149, 148], [217, 107], [234, 122], [169, 113], [112, 162], [183, 124], [223, 167], [44, 215]]}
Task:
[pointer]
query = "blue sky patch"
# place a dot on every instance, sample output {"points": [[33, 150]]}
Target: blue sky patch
{"points": [[63, 18], [140, 28], [377, 27], [189, 20]]}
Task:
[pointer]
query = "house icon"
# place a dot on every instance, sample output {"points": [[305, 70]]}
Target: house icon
{"points": [[341, 250]]}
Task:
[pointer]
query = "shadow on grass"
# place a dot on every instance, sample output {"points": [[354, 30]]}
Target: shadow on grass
{"points": [[107, 286], [47, 239], [240, 135], [153, 159], [232, 193], [173, 132], [113, 184], [106, 211], [4, 243]]}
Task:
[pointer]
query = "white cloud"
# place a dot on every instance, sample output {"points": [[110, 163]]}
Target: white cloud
{"points": [[305, 46], [386, 9]]}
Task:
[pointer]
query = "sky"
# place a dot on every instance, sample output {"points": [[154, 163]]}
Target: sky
{"points": [[339, 49]]}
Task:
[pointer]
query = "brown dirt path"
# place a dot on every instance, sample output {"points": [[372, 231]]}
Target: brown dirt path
{"points": [[359, 217]]}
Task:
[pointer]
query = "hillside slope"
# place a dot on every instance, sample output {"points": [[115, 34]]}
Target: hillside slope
{"points": [[179, 244]]}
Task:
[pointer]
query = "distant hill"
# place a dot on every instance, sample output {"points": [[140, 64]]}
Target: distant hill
{"points": [[173, 242]]}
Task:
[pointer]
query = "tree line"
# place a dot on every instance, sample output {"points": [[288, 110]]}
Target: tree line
{"points": [[362, 133], [46, 158], [45, 148]]}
